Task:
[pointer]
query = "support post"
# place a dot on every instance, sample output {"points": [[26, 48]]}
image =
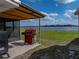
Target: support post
{"points": [[78, 26], [39, 31], [19, 30], [13, 25], [4, 23]]}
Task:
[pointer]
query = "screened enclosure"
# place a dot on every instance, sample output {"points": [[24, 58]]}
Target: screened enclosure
{"points": [[13, 27]]}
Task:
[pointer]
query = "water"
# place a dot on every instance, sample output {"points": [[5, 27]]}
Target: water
{"points": [[60, 28], [56, 28]]}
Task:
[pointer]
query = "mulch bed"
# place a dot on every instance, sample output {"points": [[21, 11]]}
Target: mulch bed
{"points": [[57, 52], [46, 53]]}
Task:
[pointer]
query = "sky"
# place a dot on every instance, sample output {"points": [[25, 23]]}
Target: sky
{"points": [[58, 12]]}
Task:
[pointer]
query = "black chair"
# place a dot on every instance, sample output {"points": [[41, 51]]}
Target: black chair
{"points": [[4, 43]]}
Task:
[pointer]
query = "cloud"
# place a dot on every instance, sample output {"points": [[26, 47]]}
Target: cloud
{"points": [[69, 14], [34, 0], [70, 17], [53, 19], [50, 16], [65, 1], [48, 20], [56, 5], [53, 14], [44, 13]]}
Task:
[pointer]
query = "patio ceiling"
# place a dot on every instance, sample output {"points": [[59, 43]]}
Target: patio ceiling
{"points": [[22, 12]]}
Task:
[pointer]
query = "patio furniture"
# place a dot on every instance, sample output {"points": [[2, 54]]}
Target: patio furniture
{"points": [[4, 43]]}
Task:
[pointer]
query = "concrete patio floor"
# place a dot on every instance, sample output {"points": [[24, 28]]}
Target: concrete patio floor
{"points": [[17, 49]]}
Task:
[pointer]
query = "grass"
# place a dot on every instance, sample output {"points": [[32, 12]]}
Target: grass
{"points": [[54, 37], [58, 35]]}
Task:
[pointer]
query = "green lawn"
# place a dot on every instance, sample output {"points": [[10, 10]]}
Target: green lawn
{"points": [[58, 35], [53, 37]]}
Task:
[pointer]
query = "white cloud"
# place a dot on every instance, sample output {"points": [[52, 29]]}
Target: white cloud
{"points": [[53, 14], [65, 1], [56, 5], [31, 0], [48, 20], [53, 19], [69, 14], [34, 0], [70, 17], [50, 16], [44, 13]]}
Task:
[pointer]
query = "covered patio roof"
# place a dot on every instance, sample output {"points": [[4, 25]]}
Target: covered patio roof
{"points": [[22, 12]]}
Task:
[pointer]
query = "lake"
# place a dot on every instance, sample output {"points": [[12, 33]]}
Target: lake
{"points": [[55, 28]]}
